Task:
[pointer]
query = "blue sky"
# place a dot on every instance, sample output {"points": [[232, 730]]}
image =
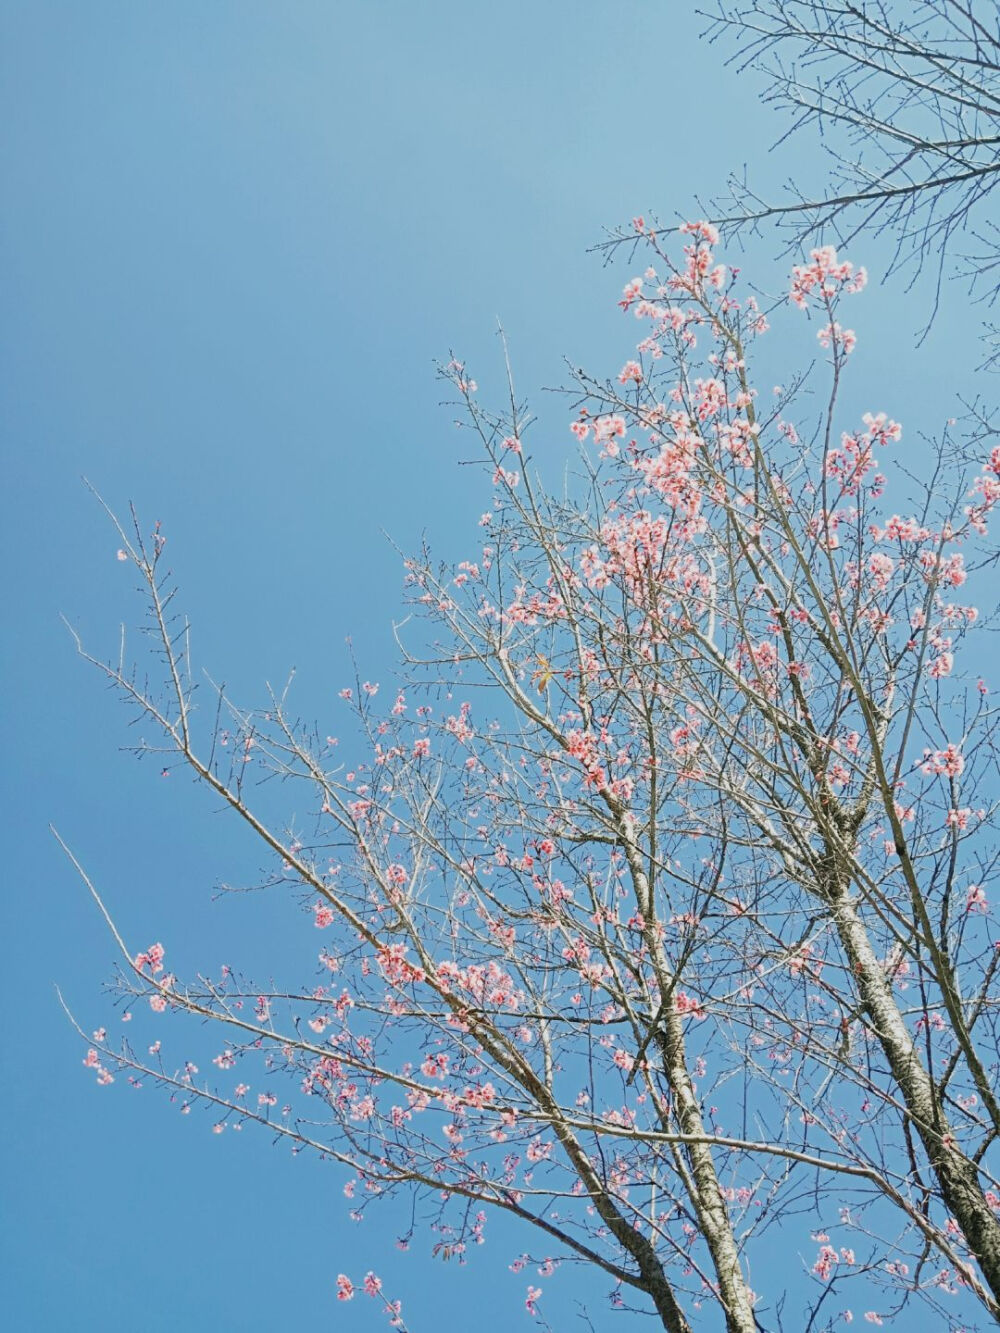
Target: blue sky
{"points": [[236, 237]]}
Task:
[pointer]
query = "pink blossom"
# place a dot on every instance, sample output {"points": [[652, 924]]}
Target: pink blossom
{"points": [[948, 761], [881, 568], [825, 276], [608, 428], [975, 900], [704, 231], [882, 428], [825, 1262], [685, 1004], [345, 1288], [905, 530], [832, 335], [538, 1150], [152, 958]]}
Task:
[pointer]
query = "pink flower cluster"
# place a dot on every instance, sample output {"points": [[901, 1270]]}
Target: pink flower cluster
{"points": [[686, 1004], [151, 958], [948, 762], [987, 488], [825, 277]]}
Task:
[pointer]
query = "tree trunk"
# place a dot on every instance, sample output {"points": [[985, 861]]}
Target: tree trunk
{"points": [[961, 1188]]}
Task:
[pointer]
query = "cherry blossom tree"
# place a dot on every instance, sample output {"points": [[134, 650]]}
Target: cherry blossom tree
{"points": [[653, 907]]}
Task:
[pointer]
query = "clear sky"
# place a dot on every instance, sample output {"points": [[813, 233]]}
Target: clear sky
{"points": [[235, 238]]}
